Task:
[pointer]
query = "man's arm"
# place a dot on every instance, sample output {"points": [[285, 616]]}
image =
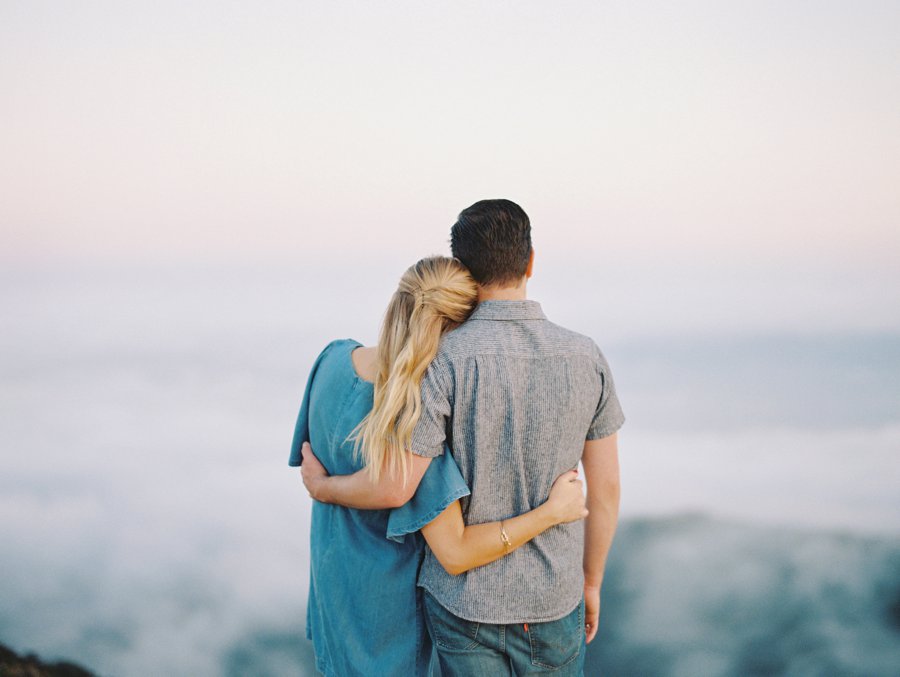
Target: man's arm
{"points": [[358, 490], [601, 473]]}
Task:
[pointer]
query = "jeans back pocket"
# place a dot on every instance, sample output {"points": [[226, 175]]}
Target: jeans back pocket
{"points": [[557, 643], [447, 629]]}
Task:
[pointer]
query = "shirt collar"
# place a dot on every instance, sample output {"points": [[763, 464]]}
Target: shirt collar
{"points": [[508, 310]]}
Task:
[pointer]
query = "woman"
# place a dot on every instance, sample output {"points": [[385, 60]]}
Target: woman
{"points": [[361, 404]]}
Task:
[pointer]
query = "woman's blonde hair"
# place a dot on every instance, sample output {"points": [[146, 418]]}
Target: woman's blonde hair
{"points": [[434, 296]]}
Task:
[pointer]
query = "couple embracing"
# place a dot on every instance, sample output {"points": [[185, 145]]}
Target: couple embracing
{"points": [[443, 464]]}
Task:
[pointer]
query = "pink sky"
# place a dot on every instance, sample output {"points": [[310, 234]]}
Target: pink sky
{"points": [[278, 131]]}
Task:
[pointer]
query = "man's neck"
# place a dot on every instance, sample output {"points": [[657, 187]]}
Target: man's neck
{"points": [[497, 293]]}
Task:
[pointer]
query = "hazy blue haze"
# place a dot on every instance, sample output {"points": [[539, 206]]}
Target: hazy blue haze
{"points": [[150, 524]]}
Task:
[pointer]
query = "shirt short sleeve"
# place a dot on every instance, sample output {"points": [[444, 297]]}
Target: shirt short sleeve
{"points": [[608, 417], [441, 485], [430, 433], [301, 427]]}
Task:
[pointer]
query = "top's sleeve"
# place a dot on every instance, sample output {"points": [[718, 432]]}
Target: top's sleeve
{"points": [[441, 485], [301, 428], [608, 417], [430, 433]]}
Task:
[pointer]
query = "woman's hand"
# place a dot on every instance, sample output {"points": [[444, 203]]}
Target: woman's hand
{"points": [[312, 471], [566, 499]]}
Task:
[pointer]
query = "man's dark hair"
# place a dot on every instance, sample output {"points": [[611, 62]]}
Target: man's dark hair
{"points": [[492, 238]]}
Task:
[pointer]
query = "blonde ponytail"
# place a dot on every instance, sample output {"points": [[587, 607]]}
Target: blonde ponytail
{"points": [[434, 296]]}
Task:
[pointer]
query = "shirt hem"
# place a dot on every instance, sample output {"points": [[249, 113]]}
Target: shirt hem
{"points": [[605, 432], [427, 451], [500, 620]]}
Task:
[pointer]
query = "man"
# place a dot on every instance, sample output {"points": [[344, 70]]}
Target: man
{"points": [[519, 400]]}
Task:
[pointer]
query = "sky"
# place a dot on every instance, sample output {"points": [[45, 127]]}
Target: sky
{"points": [[195, 196], [634, 133]]}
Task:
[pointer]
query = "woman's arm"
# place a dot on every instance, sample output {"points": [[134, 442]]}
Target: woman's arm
{"points": [[459, 547]]}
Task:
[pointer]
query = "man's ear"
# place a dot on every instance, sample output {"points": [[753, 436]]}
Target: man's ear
{"points": [[530, 268]]}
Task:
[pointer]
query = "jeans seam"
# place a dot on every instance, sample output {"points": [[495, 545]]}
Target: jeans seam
{"points": [[471, 645]]}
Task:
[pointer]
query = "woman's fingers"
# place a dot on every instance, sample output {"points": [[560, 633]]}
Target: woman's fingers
{"points": [[567, 497], [575, 499]]}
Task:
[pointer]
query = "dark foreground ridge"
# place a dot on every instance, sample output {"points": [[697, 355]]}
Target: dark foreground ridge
{"points": [[13, 665]]}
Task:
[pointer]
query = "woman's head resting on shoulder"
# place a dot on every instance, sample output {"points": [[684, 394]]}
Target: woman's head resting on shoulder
{"points": [[434, 296]]}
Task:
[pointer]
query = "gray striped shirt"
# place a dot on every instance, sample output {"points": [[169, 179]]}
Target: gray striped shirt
{"points": [[515, 396]]}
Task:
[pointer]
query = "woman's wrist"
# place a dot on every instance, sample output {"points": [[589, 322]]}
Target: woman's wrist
{"points": [[550, 514]]}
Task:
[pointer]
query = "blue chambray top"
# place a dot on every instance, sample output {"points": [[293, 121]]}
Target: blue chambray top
{"points": [[364, 614]]}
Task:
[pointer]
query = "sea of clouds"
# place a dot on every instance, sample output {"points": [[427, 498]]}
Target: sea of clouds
{"points": [[150, 525]]}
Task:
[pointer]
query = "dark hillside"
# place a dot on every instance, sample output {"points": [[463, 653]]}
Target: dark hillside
{"points": [[13, 665]]}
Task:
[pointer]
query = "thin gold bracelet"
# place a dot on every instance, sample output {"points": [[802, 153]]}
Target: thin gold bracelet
{"points": [[507, 545]]}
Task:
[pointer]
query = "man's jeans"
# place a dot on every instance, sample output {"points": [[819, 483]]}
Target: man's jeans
{"points": [[470, 649]]}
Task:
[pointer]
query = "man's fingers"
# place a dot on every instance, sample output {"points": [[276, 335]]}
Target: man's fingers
{"points": [[590, 627]]}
